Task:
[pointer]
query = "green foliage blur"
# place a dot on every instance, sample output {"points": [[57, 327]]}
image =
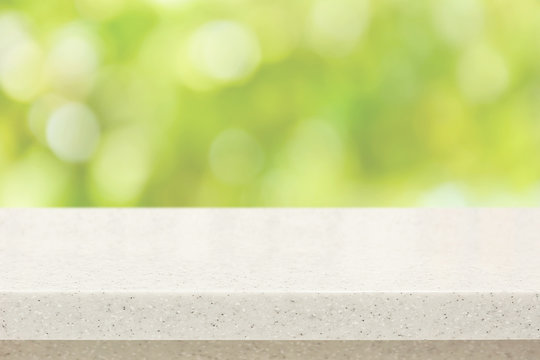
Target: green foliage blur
{"points": [[269, 103]]}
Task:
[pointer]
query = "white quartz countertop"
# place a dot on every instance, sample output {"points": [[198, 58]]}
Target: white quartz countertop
{"points": [[269, 274]]}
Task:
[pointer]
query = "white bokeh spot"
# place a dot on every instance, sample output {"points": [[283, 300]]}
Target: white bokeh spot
{"points": [[458, 21], [121, 168], [73, 132], [224, 50], [73, 60], [21, 59], [445, 195], [482, 74], [335, 26]]}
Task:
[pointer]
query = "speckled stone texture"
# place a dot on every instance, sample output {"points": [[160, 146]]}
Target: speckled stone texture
{"points": [[269, 274], [273, 316], [269, 350]]}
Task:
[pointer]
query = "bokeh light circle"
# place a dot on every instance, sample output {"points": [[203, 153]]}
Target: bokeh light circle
{"points": [[21, 59], [335, 26], [13, 30], [37, 179], [73, 60], [73, 132], [482, 74], [121, 167], [458, 21], [224, 50], [21, 71]]}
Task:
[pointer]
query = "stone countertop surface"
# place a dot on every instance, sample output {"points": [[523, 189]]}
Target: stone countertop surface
{"points": [[269, 274]]}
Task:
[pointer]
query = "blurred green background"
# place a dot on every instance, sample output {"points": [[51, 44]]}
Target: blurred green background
{"points": [[269, 103]]}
